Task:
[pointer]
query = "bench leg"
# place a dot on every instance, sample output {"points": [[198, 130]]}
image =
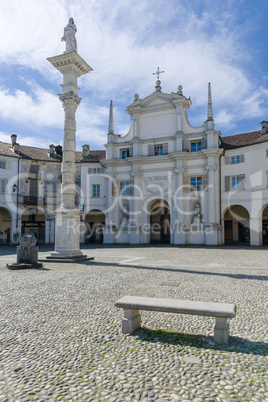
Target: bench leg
{"points": [[221, 331], [131, 321]]}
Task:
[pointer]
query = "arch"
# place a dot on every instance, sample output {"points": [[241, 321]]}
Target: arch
{"points": [[95, 222], [5, 225], [264, 226], [236, 225], [33, 222], [159, 212]]}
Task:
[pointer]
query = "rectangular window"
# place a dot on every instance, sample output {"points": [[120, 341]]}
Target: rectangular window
{"points": [[124, 153], [34, 169], [96, 190], [196, 146], [196, 183], [235, 183], [96, 170], [235, 159], [2, 165], [158, 150], [124, 188]]}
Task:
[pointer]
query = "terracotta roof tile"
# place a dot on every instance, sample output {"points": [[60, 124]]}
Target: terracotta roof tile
{"points": [[42, 154], [6, 150], [243, 140]]}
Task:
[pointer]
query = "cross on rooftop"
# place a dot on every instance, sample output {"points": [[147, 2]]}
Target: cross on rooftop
{"points": [[158, 72]]}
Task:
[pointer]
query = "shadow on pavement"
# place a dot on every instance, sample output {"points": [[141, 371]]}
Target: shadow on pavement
{"points": [[236, 344]]}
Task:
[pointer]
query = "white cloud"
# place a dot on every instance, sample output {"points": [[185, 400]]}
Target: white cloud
{"points": [[124, 44], [39, 109]]}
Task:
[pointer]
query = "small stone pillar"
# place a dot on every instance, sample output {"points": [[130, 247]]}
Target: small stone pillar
{"points": [[27, 254]]}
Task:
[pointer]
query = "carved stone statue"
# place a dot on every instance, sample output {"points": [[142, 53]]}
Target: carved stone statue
{"points": [[196, 220], [124, 221], [69, 36]]}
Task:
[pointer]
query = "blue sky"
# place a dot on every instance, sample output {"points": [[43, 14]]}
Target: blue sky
{"points": [[194, 42]]}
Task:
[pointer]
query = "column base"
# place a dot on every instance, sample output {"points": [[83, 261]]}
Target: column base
{"points": [[67, 237]]}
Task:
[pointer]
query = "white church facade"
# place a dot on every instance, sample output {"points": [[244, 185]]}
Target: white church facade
{"points": [[165, 181]]}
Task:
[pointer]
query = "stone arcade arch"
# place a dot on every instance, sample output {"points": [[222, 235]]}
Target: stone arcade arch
{"points": [[95, 222], [33, 222], [236, 225], [5, 226], [264, 226], [159, 211]]}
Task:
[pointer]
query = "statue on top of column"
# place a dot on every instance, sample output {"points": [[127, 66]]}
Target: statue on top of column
{"points": [[69, 36]]}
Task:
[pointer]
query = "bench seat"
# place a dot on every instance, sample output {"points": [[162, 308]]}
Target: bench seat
{"points": [[132, 319]]}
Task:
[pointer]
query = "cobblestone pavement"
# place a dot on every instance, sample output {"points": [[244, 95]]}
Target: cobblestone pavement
{"points": [[61, 335]]}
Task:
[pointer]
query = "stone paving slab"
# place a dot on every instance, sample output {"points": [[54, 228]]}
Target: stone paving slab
{"points": [[61, 335]]}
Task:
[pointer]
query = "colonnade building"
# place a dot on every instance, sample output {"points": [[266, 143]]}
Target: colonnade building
{"points": [[165, 181]]}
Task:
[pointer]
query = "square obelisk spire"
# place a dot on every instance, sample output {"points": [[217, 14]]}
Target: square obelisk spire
{"points": [[67, 217]]}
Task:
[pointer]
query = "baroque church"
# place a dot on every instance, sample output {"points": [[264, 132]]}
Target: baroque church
{"points": [[165, 181]]}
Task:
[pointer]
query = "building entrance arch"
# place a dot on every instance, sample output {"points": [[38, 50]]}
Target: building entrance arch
{"points": [[236, 225], [159, 211], [33, 222], [5, 225], [95, 222], [265, 226]]}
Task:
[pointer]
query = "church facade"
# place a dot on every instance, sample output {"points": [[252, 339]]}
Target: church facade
{"points": [[165, 181]]}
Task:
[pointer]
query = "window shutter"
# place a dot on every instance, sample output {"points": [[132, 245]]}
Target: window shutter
{"points": [[131, 151], [186, 183], [227, 161], [205, 182], [242, 182], [185, 145], [8, 165], [150, 150], [204, 143], [227, 183], [90, 170], [267, 178], [101, 170], [242, 158], [165, 148], [3, 186]]}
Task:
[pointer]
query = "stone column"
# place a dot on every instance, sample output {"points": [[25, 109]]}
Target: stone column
{"points": [[67, 217], [212, 228], [179, 230], [70, 102], [135, 211], [109, 230]]}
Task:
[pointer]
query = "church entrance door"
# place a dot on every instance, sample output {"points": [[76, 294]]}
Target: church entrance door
{"points": [[159, 222]]}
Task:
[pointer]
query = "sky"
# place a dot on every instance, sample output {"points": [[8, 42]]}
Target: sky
{"points": [[193, 41]]}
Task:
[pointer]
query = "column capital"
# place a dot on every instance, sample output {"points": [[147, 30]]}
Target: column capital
{"points": [[180, 170], [70, 100], [212, 168], [136, 173]]}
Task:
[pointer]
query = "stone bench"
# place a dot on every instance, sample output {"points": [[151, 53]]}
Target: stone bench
{"points": [[132, 319]]}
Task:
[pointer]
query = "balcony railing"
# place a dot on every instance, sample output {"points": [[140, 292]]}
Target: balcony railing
{"points": [[33, 200]]}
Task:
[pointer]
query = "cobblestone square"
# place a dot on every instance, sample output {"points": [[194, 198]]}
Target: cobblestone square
{"points": [[61, 335]]}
